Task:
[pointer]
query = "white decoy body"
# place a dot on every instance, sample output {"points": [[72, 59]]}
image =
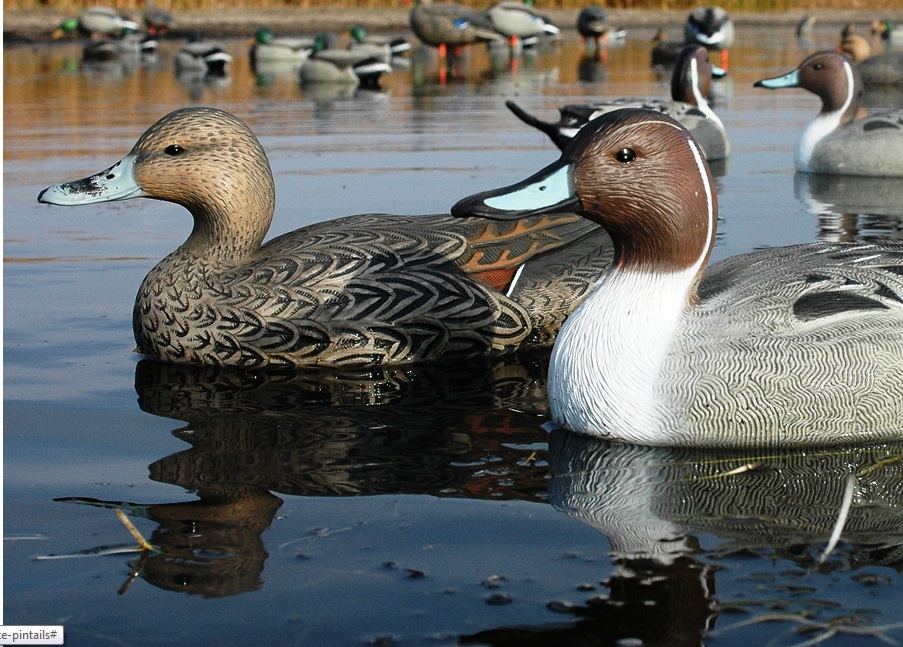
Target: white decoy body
{"points": [[793, 346]]}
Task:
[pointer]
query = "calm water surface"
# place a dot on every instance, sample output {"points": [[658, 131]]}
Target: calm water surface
{"points": [[407, 506]]}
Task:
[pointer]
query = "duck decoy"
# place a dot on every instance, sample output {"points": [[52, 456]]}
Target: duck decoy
{"points": [[792, 346], [834, 142], [664, 50], [396, 46], [690, 83], [710, 27], [129, 47], [342, 66], [97, 22], [361, 291], [520, 23], [593, 27], [877, 70], [157, 20], [202, 57], [805, 28], [268, 48], [448, 24]]}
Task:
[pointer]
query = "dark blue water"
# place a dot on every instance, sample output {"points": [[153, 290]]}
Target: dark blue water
{"points": [[422, 505]]}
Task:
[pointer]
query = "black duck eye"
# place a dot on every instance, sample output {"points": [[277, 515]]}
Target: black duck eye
{"points": [[817, 66], [173, 149], [625, 155]]}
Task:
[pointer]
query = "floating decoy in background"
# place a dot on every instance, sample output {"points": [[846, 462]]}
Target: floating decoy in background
{"points": [[710, 27], [98, 22], [202, 57], [792, 346], [396, 45], [806, 26], [447, 24], [342, 66], [665, 51], [129, 46], [268, 48], [834, 142], [884, 69], [521, 24], [158, 21], [593, 27], [886, 31], [363, 290], [690, 83]]}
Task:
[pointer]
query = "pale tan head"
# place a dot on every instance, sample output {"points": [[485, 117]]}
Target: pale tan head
{"points": [[204, 159]]}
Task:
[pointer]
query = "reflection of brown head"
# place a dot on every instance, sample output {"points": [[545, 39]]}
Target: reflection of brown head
{"points": [[211, 547]]}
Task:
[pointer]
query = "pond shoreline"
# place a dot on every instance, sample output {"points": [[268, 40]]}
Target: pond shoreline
{"points": [[37, 26]]}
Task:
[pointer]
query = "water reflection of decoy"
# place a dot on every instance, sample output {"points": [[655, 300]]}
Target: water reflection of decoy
{"points": [[690, 84], [431, 430], [520, 23], [853, 208], [710, 27], [836, 142], [269, 49], [364, 290], [210, 547], [342, 66], [652, 358], [655, 506], [447, 24]]}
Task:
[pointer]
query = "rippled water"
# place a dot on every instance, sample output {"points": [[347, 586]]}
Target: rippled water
{"points": [[421, 505]]}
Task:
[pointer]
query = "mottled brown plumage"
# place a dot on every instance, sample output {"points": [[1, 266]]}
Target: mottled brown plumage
{"points": [[362, 290]]}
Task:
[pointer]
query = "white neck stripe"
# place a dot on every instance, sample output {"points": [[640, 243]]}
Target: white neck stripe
{"points": [[700, 165]]}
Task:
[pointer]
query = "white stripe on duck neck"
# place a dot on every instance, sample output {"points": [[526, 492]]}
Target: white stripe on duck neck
{"points": [[701, 102], [607, 357], [823, 124]]}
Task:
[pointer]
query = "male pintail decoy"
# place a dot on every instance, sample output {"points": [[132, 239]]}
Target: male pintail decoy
{"points": [[362, 290], [342, 66], [878, 70], [98, 22], [396, 45], [521, 23], [792, 346], [202, 57], [690, 83], [269, 49], [835, 142], [448, 24], [712, 28]]}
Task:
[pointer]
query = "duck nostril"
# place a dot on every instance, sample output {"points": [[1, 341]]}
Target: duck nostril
{"points": [[110, 176]]}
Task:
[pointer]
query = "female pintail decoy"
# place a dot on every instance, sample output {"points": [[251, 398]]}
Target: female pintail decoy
{"points": [[877, 70], [342, 66], [833, 142], [520, 23], [690, 83], [362, 290], [268, 49], [712, 28], [396, 45], [202, 57], [448, 24], [792, 346], [97, 22]]}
